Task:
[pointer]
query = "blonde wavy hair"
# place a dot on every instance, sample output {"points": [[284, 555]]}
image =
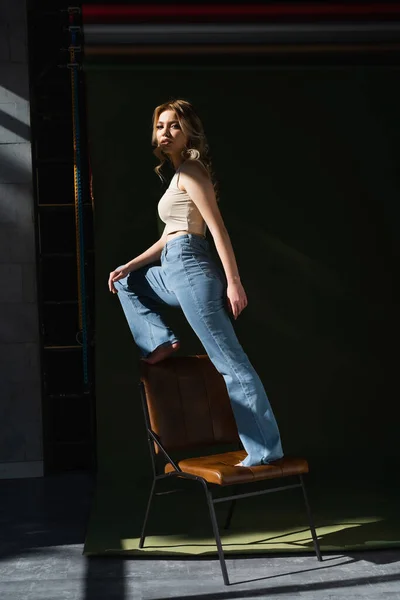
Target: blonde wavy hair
{"points": [[197, 147]]}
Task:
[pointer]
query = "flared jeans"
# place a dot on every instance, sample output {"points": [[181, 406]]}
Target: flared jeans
{"points": [[190, 279]]}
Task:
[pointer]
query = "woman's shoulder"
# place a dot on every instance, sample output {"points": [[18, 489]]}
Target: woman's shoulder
{"points": [[194, 166]]}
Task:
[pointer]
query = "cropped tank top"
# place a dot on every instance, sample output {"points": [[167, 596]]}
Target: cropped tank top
{"points": [[178, 211]]}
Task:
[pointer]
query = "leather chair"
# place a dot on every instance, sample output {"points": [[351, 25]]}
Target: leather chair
{"points": [[186, 406]]}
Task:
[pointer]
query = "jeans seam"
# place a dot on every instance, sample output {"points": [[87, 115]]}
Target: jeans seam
{"points": [[201, 268], [205, 250], [225, 356], [134, 300]]}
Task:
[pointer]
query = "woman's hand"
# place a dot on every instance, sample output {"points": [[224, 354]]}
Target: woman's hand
{"points": [[116, 275], [237, 299]]}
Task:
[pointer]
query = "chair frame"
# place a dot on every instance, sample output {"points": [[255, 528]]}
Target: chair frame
{"points": [[211, 501]]}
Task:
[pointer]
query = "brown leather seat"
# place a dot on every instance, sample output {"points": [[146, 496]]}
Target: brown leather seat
{"points": [[220, 468]]}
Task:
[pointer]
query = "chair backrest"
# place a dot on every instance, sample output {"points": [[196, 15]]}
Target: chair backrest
{"points": [[187, 403]]}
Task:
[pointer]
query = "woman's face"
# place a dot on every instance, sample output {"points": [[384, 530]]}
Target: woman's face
{"points": [[169, 133]]}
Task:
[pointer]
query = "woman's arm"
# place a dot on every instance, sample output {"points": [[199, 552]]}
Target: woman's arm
{"points": [[198, 185], [196, 182], [150, 255]]}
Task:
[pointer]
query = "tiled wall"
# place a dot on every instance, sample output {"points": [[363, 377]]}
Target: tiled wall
{"points": [[20, 402]]}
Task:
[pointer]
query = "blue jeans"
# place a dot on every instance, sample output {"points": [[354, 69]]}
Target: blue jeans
{"points": [[190, 279]]}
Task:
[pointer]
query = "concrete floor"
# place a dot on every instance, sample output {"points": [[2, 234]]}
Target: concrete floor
{"points": [[42, 529]]}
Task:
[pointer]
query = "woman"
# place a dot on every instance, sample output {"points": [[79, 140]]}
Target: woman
{"points": [[189, 278]]}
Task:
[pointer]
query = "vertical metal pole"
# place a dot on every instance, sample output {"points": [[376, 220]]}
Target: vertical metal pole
{"points": [[310, 519], [79, 225]]}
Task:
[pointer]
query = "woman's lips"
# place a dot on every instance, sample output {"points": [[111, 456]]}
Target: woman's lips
{"points": [[166, 142]]}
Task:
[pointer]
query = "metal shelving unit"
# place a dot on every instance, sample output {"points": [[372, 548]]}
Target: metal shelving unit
{"points": [[68, 398]]}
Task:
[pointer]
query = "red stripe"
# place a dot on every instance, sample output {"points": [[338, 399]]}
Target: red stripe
{"points": [[93, 12]]}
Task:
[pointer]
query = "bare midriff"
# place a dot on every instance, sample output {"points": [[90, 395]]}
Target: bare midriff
{"points": [[177, 233]]}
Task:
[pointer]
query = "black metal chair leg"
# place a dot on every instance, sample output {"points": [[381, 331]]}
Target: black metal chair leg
{"points": [[216, 535], [142, 535], [310, 519], [230, 514]]}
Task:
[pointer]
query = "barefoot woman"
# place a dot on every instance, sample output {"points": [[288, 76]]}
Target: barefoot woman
{"points": [[189, 278]]}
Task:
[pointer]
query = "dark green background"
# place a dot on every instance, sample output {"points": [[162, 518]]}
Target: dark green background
{"points": [[308, 166]]}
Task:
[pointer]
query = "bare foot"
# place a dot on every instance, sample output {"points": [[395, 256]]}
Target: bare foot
{"points": [[161, 352]]}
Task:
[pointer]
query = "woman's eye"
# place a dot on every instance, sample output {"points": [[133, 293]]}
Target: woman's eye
{"points": [[176, 125]]}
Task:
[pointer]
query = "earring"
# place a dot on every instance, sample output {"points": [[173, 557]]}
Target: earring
{"points": [[192, 153]]}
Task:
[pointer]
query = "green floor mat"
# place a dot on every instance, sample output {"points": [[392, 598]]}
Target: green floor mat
{"points": [[347, 517]]}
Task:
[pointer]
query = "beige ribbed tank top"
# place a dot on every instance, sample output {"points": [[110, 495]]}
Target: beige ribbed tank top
{"points": [[178, 211]]}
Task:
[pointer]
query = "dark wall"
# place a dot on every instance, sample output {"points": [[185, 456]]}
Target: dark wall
{"points": [[307, 162]]}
